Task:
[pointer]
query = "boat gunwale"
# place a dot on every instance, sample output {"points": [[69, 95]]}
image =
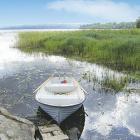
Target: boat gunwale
{"points": [[59, 105], [63, 106]]}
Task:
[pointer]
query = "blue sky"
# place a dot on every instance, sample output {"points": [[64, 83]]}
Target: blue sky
{"points": [[36, 12]]}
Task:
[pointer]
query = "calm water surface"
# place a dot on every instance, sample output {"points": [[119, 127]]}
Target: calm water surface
{"points": [[105, 115]]}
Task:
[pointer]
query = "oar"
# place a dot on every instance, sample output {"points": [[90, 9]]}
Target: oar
{"points": [[42, 84], [84, 90], [81, 88]]}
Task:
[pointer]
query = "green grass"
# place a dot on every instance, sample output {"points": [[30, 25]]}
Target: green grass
{"points": [[117, 49], [107, 82], [116, 85]]}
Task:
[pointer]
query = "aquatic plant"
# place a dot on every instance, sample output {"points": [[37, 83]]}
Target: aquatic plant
{"points": [[107, 82], [115, 84], [117, 49]]}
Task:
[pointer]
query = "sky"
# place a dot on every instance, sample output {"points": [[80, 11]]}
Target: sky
{"points": [[41, 12]]}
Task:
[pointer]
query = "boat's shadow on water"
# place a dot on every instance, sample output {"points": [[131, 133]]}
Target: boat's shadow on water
{"points": [[72, 126]]}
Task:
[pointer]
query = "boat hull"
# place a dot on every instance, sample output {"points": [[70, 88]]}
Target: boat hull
{"points": [[59, 114]]}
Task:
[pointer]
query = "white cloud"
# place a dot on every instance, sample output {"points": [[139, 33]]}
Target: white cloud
{"points": [[125, 114], [104, 9]]}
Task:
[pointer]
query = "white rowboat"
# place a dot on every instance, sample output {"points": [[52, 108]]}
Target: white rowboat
{"points": [[60, 97]]}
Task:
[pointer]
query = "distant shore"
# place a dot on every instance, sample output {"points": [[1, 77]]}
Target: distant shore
{"points": [[37, 30]]}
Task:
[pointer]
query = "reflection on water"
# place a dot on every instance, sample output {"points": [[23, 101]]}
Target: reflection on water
{"points": [[110, 116], [73, 126], [124, 113]]}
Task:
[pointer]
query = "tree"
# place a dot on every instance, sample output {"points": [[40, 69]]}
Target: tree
{"points": [[138, 23]]}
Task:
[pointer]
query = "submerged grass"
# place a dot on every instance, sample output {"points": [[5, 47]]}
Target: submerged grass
{"points": [[107, 82], [117, 49], [116, 85]]}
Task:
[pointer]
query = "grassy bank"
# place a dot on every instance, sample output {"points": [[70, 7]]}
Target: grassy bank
{"points": [[117, 49]]}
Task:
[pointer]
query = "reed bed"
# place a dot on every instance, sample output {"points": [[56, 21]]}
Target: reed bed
{"points": [[117, 49]]}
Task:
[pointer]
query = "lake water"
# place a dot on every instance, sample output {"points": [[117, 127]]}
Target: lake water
{"points": [[104, 116]]}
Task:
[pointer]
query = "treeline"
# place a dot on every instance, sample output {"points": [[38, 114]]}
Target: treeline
{"points": [[114, 25], [138, 23]]}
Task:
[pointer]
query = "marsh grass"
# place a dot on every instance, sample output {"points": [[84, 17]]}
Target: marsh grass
{"points": [[115, 84], [117, 49], [107, 82]]}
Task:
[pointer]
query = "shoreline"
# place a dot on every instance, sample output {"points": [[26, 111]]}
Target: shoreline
{"points": [[113, 49], [38, 30]]}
